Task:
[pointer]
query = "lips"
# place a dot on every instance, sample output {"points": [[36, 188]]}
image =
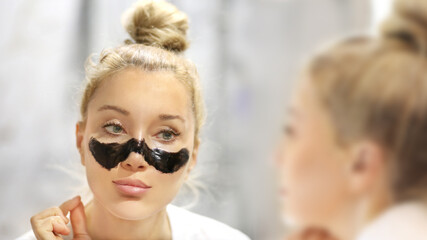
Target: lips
{"points": [[131, 187]]}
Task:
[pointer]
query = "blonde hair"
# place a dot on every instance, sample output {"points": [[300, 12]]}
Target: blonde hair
{"points": [[376, 88], [158, 31]]}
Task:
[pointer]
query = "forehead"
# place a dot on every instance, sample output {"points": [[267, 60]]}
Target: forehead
{"points": [[309, 107], [303, 99], [142, 92]]}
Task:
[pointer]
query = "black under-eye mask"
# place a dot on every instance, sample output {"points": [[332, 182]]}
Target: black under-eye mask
{"points": [[109, 155]]}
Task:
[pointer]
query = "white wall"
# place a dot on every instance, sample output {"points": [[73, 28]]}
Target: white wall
{"points": [[380, 9], [248, 53]]}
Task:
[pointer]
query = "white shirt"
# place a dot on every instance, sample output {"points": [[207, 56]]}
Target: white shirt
{"points": [[406, 221], [186, 225]]}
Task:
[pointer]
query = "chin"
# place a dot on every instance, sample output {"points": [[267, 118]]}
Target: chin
{"points": [[292, 217], [293, 220], [289, 221], [287, 216]]}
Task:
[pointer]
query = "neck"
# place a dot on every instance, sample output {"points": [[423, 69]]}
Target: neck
{"points": [[101, 224], [346, 226], [360, 214]]}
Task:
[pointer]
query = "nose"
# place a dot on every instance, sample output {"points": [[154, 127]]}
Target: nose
{"points": [[135, 162]]}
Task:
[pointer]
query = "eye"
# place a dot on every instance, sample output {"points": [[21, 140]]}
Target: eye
{"points": [[289, 131], [113, 128], [167, 135]]}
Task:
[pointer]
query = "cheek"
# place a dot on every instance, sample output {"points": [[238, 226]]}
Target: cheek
{"points": [[314, 181], [167, 186], [164, 189], [169, 180], [99, 179]]}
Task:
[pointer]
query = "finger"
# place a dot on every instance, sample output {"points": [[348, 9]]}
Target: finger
{"points": [[44, 229], [70, 204], [42, 222], [59, 227], [328, 236], [296, 236], [53, 211], [78, 221], [324, 235], [317, 234]]}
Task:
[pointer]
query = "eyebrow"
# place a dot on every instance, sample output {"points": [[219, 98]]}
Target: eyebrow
{"points": [[114, 108], [163, 117], [166, 117]]}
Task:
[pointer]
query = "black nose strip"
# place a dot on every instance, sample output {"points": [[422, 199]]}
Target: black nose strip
{"points": [[109, 155]]}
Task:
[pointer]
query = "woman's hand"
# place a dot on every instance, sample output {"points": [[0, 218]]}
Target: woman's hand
{"points": [[311, 234], [50, 223]]}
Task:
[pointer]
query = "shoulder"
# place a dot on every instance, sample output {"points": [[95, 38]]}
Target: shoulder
{"points": [[188, 225], [404, 221]]}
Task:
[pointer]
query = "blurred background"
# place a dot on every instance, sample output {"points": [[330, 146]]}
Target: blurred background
{"points": [[248, 54]]}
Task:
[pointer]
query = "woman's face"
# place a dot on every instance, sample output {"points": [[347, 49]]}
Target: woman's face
{"points": [[313, 169], [150, 106]]}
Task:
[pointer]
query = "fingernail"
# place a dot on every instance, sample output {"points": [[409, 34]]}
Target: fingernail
{"points": [[65, 219]]}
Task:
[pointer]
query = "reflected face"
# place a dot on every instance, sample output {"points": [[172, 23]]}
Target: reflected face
{"points": [[312, 165], [131, 113]]}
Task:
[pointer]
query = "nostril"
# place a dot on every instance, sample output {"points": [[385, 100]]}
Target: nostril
{"points": [[141, 167]]}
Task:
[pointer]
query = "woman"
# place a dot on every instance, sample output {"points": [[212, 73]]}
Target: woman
{"points": [[138, 139], [354, 156]]}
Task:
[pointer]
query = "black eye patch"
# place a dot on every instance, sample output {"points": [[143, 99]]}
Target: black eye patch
{"points": [[109, 155]]}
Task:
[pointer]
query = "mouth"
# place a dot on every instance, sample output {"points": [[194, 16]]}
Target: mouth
{"points": [[131, 187]]}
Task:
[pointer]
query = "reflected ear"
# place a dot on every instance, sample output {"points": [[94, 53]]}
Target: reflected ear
{"points": [[366, 167], [79, 139], [193, 159]]}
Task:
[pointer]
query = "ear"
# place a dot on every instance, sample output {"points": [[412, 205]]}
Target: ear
{"points": [[367, 167], [79, 139], [193, 159]]}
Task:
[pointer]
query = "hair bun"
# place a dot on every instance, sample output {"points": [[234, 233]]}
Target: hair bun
{"points": [[408, 22], [157, 23]]}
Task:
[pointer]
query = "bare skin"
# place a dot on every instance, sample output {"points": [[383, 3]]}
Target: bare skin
{"points": [[132, 103], [325, 185], [51, 222]]}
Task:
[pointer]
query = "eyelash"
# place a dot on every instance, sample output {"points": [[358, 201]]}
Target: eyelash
{"points": [[109, 124], [171, 131]]}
